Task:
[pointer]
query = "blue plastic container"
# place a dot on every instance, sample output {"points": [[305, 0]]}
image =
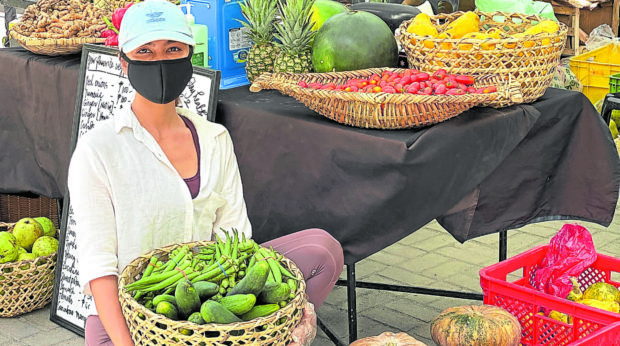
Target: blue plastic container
{"points": [[228, 44]]}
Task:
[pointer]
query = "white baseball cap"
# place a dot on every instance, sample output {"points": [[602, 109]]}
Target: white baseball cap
{"points": [[153, 20]]}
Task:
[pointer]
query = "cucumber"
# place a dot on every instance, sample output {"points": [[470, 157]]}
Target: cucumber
{"points": [[292, 283], [260, 311], [214, 312], [164, 297], [253, 281], [239, 304], [196, 317], [206, 289], [187, 298], [167, 309], [274, 293]]}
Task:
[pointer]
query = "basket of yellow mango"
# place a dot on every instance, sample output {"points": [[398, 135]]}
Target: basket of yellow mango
{"points": [[520, 48]]}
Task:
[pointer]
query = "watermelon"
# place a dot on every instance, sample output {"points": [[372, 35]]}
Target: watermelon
{"points": [[354, 40], [322, 10]]}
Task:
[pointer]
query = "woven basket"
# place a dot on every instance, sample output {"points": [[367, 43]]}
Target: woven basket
{"points": [[25, 285], [13, 208], [529, 60], [53, 47], [380, 110], [149, 328]]}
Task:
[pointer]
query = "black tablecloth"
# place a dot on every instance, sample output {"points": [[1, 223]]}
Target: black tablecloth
{"points": [[484, 171], [37, 101]]}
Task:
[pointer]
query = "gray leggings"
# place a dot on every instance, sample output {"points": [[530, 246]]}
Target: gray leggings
{"points": [[315, 252]]}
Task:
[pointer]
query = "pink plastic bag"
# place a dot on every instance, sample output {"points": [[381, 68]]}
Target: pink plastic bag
{"points": [[570, 251]]}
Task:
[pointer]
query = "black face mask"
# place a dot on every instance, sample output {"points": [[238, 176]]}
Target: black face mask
{"points": [[160, 81]]}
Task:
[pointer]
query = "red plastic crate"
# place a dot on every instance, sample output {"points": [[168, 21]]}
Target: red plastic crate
{"points": [[609, 335], [523, 301]]}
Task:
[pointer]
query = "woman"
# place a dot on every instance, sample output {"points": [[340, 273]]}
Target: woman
{"points": [[154, 175]]}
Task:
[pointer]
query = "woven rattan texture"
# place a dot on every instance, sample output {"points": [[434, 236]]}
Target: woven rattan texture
{"points": [[26, 285], [528, 60], [54, 47], [149, 328], [13, 208], [380, 110]]}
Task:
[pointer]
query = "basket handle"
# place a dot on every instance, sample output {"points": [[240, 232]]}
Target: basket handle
{"points": [[260, 81]]}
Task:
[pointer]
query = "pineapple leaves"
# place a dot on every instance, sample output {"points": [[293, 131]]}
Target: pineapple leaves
{"points": [[294, 31], [260, 17]]}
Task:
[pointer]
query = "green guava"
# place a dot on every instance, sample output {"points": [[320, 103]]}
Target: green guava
{"points": [[8, 248], [48, 226], [21, 250], [26, 256], [44, 246], [26, 231]]}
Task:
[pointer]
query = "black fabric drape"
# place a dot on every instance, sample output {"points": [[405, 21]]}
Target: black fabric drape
{"points": [[484, 171]]}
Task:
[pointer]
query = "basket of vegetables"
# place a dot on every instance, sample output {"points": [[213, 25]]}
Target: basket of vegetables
{"points": [[524, 48], [389, 98], [225, 292], [59, 27]]}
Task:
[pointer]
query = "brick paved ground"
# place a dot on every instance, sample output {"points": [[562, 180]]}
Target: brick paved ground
{"points": [[429, 257]]}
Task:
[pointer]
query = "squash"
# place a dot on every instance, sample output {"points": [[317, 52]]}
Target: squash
{"points": [[388, 339], [476, 325], [602, 291]]}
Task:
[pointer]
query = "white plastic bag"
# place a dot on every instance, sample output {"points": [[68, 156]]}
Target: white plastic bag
{"points": [[600, 36]]}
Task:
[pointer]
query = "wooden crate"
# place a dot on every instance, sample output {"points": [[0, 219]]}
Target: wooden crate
{"points": [[581, 22]]}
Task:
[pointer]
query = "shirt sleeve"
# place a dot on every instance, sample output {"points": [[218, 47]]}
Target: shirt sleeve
{"points": [[234, 213], [93, 213]]}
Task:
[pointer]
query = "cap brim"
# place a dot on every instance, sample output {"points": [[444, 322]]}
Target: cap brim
{"points": [[157, 35]]}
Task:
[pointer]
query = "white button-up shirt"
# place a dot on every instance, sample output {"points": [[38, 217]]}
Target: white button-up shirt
{"points": [[128, 199]]}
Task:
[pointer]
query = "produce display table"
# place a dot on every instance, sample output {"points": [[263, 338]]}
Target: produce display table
{"points": [[485, 171]]}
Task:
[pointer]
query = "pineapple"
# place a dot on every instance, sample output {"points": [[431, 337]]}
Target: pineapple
{"points": [[260, 16], [295, 35]]}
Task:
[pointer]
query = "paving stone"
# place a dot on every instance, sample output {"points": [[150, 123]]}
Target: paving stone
{"points": [[18, 328], [51, 337], [386, 258]]}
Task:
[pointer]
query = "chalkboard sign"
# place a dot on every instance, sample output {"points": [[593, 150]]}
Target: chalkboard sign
{"points": [[103, 89]]}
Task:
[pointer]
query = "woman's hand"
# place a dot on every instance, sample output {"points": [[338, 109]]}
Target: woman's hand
{"points": [[305, 332]]}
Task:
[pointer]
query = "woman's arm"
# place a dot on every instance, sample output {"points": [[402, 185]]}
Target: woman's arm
{"points": [[105, 293]]}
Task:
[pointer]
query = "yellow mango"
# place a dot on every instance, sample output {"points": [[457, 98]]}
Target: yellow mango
{"points": [[422, 26], [466, 23]]}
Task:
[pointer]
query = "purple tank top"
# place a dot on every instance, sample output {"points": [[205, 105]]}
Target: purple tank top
{"points": [[193, 183]]}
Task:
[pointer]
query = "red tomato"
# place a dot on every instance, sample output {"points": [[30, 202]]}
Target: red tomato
{"points": [[440, 89], [467, 80], [406, 79], [388, 89], [455, 91], [422, 76], [412, 89], [440, 74]]}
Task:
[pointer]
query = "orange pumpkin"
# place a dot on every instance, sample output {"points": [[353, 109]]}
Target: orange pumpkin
{"points": [[388, 339], [476, 325]]}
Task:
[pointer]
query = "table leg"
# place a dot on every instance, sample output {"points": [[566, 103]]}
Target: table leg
{"points": [[351, 302], [503, 245]]}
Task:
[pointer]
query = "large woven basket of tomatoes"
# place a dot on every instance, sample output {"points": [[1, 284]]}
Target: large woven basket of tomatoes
{"points": [[523, 48], [389, 98]]}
